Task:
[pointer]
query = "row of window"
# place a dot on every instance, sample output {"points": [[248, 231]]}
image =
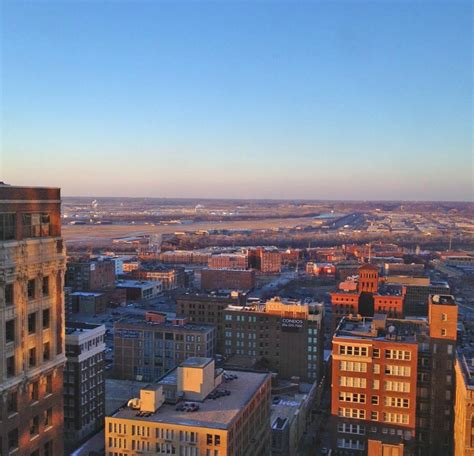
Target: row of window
{"points": [[34, 225], [351, 350]]}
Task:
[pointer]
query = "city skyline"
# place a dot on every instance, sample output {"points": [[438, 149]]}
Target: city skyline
{"points": [[327, 101]]}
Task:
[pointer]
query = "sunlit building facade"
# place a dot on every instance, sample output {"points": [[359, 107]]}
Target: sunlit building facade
{"points": [[32, 269]]}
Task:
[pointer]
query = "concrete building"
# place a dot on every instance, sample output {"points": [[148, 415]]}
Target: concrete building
{"points": [[32, 268], [393, 382], [84, 383], [464, 403], [145, 349], [140, 289], [227, 279], [283, 336], [236, 423], [203, 308]]}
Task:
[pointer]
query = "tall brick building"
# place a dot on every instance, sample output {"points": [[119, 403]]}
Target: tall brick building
{"points": [[393, 383], [32, 268]]}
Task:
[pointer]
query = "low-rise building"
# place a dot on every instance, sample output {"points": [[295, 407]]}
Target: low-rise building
{"points": [[88, 302], [228, 261], [140, 289], [218, 414]]}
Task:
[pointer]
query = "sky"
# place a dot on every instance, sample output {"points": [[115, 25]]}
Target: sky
{"points": [[249, 99]]}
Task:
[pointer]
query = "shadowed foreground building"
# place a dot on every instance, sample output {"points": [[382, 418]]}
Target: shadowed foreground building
{"points": [[32, 268], [235, 424], [84, 383]]}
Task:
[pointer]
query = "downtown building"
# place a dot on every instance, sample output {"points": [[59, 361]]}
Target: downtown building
{"points": [[208, 308], [187, 413], [279, 335], [145, 349], [393, 383], [84, 382], [32, 269]]}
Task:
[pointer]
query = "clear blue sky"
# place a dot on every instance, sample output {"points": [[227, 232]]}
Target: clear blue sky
{"points": [[339, 100]]}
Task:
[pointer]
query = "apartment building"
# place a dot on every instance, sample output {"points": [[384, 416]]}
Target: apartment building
{"points": [[170, 278], [393, 383], [207, 308], [265, 259], [84, 382], [235, 424], [228, 261], [146, 349], [85, 274], [284, 336], [32, 268]]}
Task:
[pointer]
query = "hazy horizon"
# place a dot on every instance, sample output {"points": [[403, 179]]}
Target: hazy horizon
{"points": [[239, 100]]}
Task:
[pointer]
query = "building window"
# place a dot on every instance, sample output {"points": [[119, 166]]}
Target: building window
{"points": [[48, 417], [11, 366], [7, 227], [443, 332], [49, 384], [444, 317], [374, 416], [10, 331], [9, 298], [48, 448], [46, 314], [217, 440], [32, 357], [376, 353], [12, 402], [208, 439], [32, 323], [34, 391], [31, 289], [36, 225], [13, 440], [46, 351], [375, 400], [45, 288], [34, 426]]}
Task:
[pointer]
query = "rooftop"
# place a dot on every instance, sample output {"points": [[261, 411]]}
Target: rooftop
{"points": [[218, 413], [136, 283], [196, 362], [381, 328], [132, 321], [466, 361], [76, 327]]}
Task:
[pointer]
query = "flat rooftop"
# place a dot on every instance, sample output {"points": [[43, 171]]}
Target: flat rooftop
{"points": [[139, 323], [76, 327], [214, 414], [136, 283], [196, 361], [381, 328]]}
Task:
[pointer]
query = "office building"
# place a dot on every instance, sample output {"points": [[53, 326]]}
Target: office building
{"points": [[203, 308], [235, 422], [280, 335], [85, 274], [84, 383], [145, 349], [170, 278], [32, 268], [140, 289]]}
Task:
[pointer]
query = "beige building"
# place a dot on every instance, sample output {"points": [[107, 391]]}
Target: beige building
{"points": [[217, 414], [32, 269], [464, 404]]}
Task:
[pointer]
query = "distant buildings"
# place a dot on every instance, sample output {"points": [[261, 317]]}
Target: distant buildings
{"points": [[265, 259], [228, 261], [227, 279], [144, 349], [217, 414], [464, 403], [84, 383], [280, 335], [32, 268], [140, 289], [84, 274], [170, 278]]}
